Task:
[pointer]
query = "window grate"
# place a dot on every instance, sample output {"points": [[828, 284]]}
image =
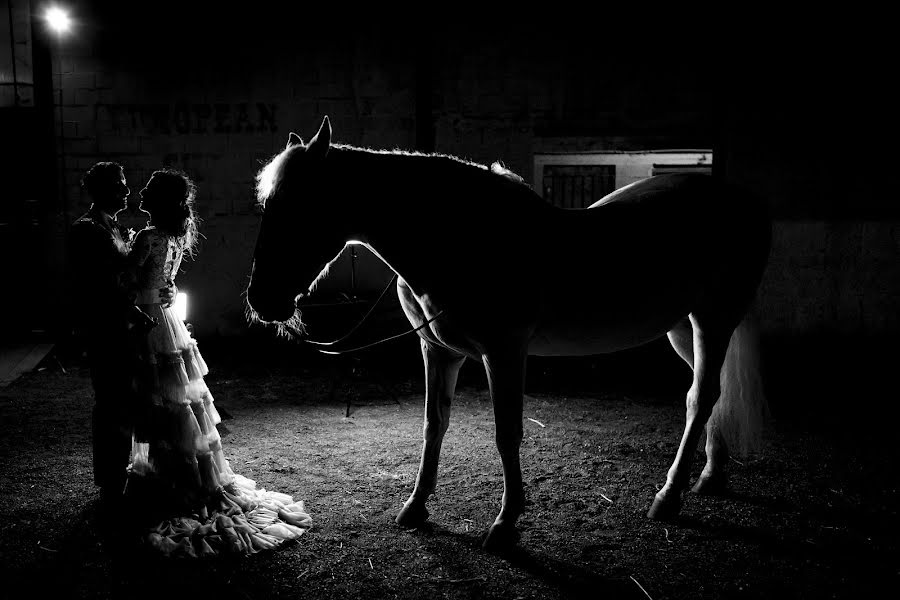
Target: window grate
{"points": [[577, 186]]}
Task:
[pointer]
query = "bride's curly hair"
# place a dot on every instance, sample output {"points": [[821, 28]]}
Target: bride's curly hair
{"points": [[171, 194]]}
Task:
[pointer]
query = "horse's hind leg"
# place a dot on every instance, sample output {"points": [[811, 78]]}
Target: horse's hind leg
{"points": [[713, 479], [710, 343], [682, 339], [441, 371]]}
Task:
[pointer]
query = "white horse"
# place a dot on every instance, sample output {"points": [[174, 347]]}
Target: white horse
{"points": [[489, 271]]}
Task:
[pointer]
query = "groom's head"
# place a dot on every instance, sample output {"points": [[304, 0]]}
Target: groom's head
{"points": [[105, 184]]}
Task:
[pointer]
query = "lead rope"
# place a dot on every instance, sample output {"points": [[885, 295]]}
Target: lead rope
{"points": [[299, 335]]}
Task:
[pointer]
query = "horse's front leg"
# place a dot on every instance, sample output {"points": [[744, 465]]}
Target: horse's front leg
{"points": [[506, 379], [441, 371]]}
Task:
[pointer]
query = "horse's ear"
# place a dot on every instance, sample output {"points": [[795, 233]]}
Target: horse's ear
{"points": [[320, 142], [294, 140]]}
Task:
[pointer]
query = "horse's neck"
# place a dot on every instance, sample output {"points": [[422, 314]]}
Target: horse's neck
{"points": [[404, 204], [418, 209], [421, 214]]}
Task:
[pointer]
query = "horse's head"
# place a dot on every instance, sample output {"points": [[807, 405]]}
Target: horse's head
{"points": [[302, 226]]}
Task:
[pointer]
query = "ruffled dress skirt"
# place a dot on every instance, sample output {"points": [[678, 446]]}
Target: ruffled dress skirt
{"points": [[178, 468]]}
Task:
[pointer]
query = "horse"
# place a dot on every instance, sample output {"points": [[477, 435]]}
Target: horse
{"points": [[489, 271]]}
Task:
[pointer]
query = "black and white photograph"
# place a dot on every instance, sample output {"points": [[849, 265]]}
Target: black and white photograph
{"points": [[447, 301]]}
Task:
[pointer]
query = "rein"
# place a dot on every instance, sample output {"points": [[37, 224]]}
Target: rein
{"points": [[299, 335]]}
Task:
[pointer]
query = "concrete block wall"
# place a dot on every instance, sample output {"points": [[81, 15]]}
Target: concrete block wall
{"points": [[833, 277], [815, 151], [218, 113], [220, 121]]}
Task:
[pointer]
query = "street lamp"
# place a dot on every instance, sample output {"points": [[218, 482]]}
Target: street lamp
{"points": [[58, 19], [60, 23]]}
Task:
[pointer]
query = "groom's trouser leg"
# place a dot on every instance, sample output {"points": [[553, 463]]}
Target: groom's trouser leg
{"points": [[113, 414]]}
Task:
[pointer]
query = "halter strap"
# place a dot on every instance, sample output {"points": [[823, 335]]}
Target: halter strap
{"points": [[357, 326]]}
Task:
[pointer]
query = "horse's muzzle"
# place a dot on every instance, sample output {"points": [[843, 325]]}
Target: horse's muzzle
{"points": [[271, 308]]}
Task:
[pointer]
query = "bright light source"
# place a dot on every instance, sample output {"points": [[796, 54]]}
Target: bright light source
{"points": [[58, 19], [181, 305]]}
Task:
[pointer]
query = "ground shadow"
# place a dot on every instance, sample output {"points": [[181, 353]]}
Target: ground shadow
{"points": [[570, 580], [765, 538], [772, 503]]}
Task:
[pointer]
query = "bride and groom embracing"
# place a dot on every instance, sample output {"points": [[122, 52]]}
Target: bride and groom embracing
{"points": [[157, 454]]}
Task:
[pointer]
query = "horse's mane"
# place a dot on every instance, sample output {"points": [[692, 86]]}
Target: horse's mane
{"points": [[499, 168], [270, 176]]}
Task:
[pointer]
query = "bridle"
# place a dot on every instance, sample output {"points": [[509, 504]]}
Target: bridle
{"points": [[300, 336]]}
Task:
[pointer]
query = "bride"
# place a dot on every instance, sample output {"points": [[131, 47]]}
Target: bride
{"points": [[178, 470]]}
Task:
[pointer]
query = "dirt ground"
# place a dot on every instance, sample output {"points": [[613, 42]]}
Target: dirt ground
{"points": [[815, 517]]}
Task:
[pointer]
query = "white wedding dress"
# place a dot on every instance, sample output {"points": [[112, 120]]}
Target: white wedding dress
{"points": [[178, 465]]}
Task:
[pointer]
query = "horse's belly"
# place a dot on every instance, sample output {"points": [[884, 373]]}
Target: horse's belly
{"points": [[581, 330], [582, 342]]}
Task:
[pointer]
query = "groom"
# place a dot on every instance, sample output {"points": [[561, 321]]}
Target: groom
{"points": [[106, 319]]}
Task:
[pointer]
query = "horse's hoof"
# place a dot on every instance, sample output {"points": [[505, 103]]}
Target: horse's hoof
{"points": [[666, 506], [714, 485], [412, 515], [500, 538]]}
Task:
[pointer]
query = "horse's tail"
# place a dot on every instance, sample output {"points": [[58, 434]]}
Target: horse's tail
{"points": [[739, 415]]}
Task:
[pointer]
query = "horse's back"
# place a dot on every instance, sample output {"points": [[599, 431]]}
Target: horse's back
{"points": [[694, 184], [694, 212], [646, 256], [687, 194]]}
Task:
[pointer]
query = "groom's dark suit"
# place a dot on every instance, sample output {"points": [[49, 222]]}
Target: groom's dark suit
{"points": [[101, 302]]}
